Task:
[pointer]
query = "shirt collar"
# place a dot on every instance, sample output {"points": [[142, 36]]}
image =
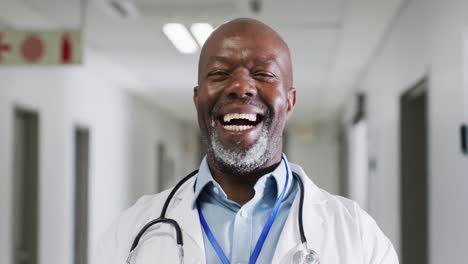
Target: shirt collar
{"points": [[205, 178]]}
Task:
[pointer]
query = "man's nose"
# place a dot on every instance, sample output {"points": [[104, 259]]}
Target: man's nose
{"points": [[242, 87]]}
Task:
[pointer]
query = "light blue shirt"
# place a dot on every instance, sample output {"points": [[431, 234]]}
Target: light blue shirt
{"points": [[237, 228]]}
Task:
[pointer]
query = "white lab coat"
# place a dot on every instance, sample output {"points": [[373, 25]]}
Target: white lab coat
{"points": [[335, 227]]}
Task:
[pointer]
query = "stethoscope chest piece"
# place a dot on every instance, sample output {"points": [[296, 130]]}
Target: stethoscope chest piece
{"points": [[306, 256]]}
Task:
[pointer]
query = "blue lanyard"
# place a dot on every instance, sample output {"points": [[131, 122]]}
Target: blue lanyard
{"points": [[263, 235]]}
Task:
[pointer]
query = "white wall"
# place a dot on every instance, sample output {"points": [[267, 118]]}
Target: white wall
{"points": [[358, 162], [314, 146], [124, 130], [147, 129], [425, 40]]}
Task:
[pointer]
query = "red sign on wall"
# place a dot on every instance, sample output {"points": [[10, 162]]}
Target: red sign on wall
{"points": [[20, 47], [4, 47]]}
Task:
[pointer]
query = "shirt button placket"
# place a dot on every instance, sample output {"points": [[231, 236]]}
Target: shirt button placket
{"points": [[242, 232]]}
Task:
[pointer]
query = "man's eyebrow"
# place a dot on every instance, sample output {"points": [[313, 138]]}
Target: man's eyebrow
{"points": [[223, 59]]}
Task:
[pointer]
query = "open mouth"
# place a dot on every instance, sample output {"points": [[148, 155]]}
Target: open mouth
{"points": [[238, 122]]}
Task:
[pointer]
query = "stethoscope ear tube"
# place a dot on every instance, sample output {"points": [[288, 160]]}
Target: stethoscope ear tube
{"points": [[173, 191], [301, 207], [162, 218], [305, 255], [156, 221]]}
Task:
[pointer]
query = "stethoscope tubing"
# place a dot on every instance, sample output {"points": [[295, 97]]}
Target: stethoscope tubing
{"points": [[179, 238], [162, 218], [301, 207]]}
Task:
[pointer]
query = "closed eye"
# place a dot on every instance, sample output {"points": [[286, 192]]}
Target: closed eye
{"points": [[264, 75], [218, 73]]}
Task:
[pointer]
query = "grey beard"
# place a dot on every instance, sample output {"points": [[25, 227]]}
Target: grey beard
{"points": [[239, 160]]}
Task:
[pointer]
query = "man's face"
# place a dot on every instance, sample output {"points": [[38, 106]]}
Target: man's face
{"points": [[244, 99]]}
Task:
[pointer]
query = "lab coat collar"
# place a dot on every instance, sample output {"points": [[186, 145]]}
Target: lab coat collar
{"points": [[313, 194], [314, 225], [187, 216]]}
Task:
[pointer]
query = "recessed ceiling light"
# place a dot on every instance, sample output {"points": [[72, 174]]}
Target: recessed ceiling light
{"points": [[201, 32], [180, 37]]}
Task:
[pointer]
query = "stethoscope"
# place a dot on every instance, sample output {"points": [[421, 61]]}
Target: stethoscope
{"points": [[303, 256]]}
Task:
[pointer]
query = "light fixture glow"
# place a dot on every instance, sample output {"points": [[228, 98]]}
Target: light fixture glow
{"points": [[180, 37], [201, 32]]}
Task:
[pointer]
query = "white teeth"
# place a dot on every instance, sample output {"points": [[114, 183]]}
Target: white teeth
{"points": [[250, 117], [237, 128]]}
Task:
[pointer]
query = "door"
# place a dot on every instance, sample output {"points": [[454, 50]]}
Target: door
{"points": [[26, 195], [81, 195], [414, 175]]}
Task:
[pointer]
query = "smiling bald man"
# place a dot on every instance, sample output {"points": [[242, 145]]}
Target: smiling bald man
{"points": [[246, 203]]}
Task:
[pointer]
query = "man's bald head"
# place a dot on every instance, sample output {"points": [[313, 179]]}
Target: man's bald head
{"points": [[231, 33]]}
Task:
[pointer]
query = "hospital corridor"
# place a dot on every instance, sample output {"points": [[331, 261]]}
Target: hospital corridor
{"points": [[97, 110]]}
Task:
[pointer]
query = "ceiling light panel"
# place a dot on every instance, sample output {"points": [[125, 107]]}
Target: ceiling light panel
{"points": [[180, 37], [201, 32]]}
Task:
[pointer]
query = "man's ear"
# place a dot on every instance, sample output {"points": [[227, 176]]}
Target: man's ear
{"points": [[195, 96], [291, 99]]}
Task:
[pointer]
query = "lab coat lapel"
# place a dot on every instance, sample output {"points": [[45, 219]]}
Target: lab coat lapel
{"points": [[314, 225], [181, 210]]}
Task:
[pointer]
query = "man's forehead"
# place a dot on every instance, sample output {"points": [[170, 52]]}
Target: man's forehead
{"points": [[243, 39], [262, 42], [236, 49]]}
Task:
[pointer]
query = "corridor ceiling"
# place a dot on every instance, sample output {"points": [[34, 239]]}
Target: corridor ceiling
{"points": [[332, 42]]}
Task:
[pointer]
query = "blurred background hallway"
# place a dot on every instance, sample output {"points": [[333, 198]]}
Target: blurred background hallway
{"points": [[96, 110]]}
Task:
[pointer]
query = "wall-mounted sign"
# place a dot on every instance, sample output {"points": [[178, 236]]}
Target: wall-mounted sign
{"points": [[45, 47]]}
